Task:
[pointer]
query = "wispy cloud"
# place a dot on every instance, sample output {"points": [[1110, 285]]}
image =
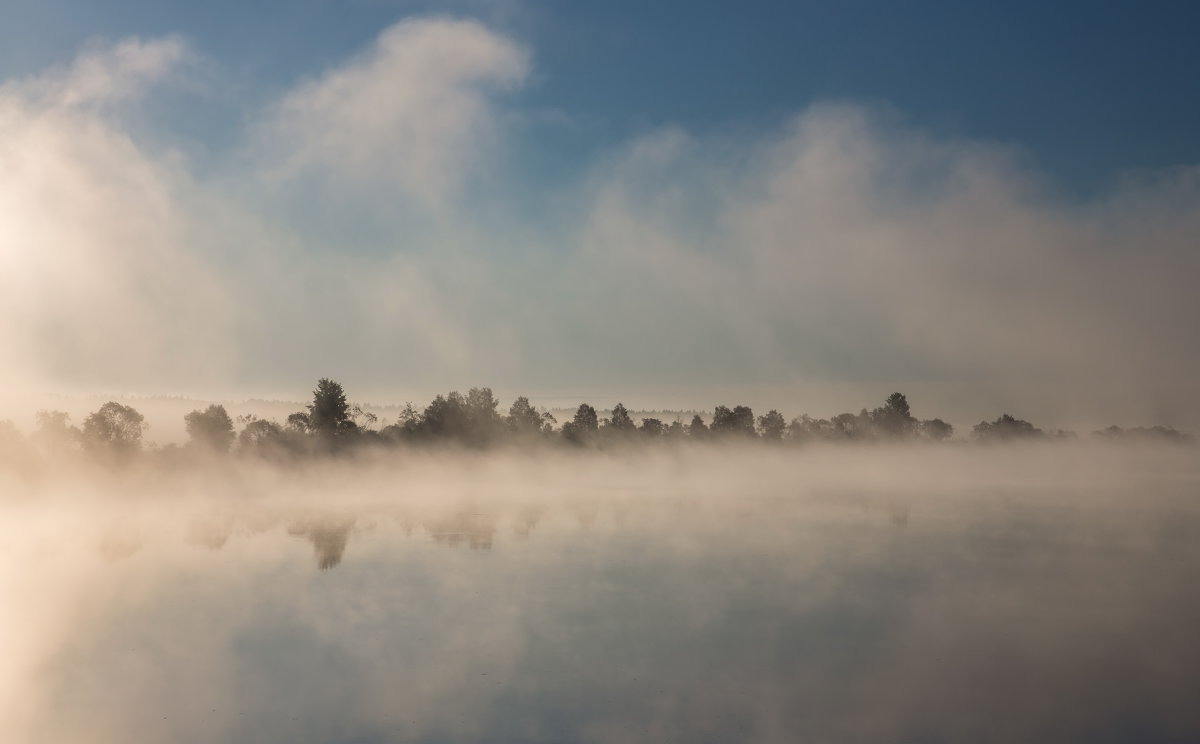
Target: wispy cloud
{"points": [[410, 115], [97, 280], [107, 73], [845, 246]]}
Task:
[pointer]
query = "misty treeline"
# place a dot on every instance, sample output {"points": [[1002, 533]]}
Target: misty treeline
{"points": [[331, 424]]}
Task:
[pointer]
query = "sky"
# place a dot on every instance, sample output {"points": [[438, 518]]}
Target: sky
{"points": [[990, 206]]}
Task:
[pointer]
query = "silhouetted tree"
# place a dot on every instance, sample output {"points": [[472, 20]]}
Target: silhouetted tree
{"points": [[652, 428], [329, 413], [620, 420], [851, 426], [893, 419], [261, 437], [935, 430], [445, 417], [805, 428], [522, 419], [697, 430], [1006, 428], [738, 421], [407, 426], [585, 418], [114, 431], [583, 427], [1144, 434], [771, 425], [299, 423], [211, 428], [483, 421], [54, 432]]}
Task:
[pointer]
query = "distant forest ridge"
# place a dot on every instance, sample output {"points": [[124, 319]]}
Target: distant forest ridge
{"points": [[331, 423]]}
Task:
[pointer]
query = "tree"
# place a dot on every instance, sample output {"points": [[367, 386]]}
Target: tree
{"points": [[483, 421], [851, 426], [1006, 428], [585, 418], [738, 421], [771, 425], [407, 426], [210, 429], [893, 418], [114, 430], [805, 427], [935, 430], [697, 429], [54, 432], [445, 417], [329, 413], [1144, 434], [261, 437], [620, 420], [299, 423], [583, 427], [652, 427], [548, 422], [523, 419]]}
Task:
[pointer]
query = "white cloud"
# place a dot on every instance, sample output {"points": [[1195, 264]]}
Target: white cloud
{"points": [[849, 247], [846, 248], [413, 113], [97, 282], [105, 74]]}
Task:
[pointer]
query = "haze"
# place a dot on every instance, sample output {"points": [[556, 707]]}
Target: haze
{"points": [[495, 371], [375, 221], [738, 593]]}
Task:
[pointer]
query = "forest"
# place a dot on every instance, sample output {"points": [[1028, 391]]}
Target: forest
{"points": [[331, 425]]}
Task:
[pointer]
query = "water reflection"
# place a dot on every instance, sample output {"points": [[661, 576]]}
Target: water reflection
{"points": [[845, 612], [463, 528], [328, 536]]}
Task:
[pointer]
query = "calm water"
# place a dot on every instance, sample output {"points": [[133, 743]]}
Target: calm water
{"points": [[711, 598]]}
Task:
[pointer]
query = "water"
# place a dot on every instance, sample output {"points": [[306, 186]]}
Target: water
{"points": [[1027, 595]]}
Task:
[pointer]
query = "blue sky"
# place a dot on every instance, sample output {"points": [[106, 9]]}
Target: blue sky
{"points": [[1089, 89], [989, 207]]}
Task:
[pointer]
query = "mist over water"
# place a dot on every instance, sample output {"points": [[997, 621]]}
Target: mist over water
{"points": [[408, 206], [1037, 592]]}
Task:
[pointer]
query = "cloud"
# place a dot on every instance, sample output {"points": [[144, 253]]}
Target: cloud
{"points": [[849, 246], [104, 74], [97, 282], [815, 266], [412, 114]]}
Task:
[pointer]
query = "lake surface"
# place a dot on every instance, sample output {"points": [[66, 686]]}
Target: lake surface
{"points": [[714, 596]]}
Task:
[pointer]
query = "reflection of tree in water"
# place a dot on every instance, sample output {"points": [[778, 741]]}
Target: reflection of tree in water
{"points": [[475, 529], [526, 520], [328, 538], [407, 523]]}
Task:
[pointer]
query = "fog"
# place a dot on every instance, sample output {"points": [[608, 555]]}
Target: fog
{"points": [[374, 222], [189, 556], [1035, 592]]}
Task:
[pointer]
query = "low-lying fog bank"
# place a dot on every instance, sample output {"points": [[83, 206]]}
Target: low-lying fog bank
{"points": [[1036, 592]]}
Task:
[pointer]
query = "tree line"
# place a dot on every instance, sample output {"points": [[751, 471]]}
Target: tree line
{"points": [[330, 423]]}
